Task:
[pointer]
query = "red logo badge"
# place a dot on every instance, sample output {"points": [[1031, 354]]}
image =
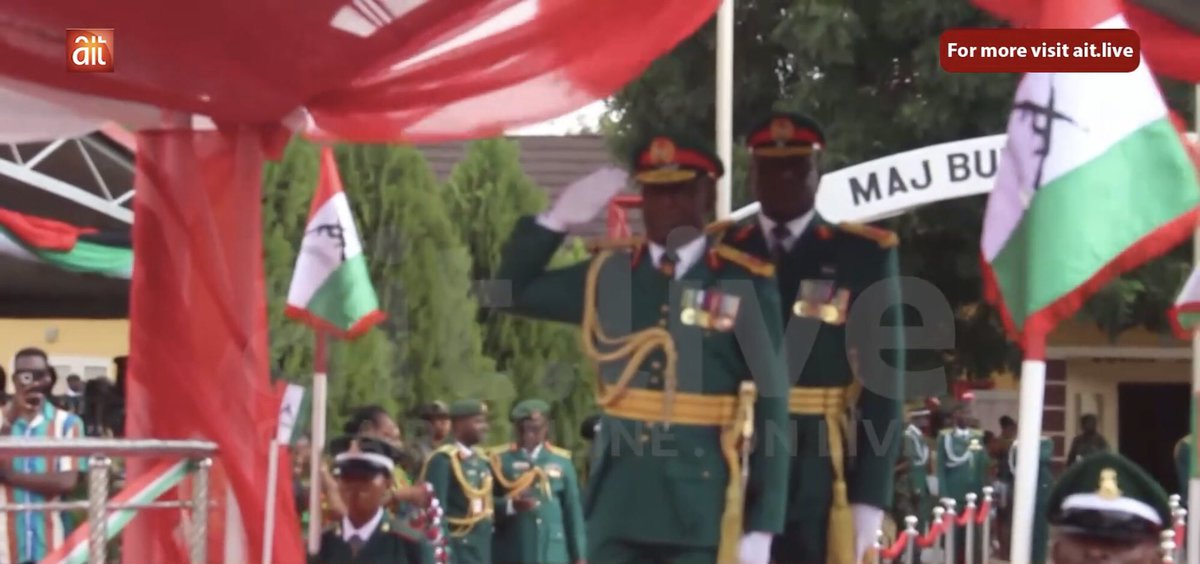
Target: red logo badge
{"points": [[90, 50]]}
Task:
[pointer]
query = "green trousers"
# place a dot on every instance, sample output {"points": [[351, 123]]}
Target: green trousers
{"points": [[615, 551]]}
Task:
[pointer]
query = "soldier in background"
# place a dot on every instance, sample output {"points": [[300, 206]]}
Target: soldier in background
{"points": [[841, 478], [1089, 441], [462, 480], [434, 429], [1045, 480], [1183, 470], [1107, 509]]}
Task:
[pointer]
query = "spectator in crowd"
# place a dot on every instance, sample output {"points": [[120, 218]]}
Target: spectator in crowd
{"points": [[31, 535], [373, 422], [1004, 480], [1088, 442], [72, 399], [332, 507]]}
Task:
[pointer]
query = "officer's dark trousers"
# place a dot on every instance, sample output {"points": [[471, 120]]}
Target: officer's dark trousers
{"points": [[613, 551]]}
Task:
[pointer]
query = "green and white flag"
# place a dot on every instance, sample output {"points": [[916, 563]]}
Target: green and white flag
{"points": [[292, 410], [331, 288], [1094, 180]]}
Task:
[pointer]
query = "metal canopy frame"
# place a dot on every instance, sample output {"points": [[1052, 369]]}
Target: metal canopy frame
{"points": [[109, 172]]}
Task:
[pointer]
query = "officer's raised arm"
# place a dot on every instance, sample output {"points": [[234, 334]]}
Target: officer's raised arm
{"points": [[556, 294]]}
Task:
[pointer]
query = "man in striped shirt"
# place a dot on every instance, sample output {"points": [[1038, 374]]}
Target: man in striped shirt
{"points": [[28, 536]]}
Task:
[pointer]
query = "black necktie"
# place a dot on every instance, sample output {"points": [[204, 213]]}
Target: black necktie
{"points": [[356, 543], [667, 262], [779, 236]]}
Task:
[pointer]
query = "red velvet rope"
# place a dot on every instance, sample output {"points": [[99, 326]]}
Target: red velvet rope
{"points": [[965, 517], [935, 531], [1180, 533], [893, 552], [985, 509]]}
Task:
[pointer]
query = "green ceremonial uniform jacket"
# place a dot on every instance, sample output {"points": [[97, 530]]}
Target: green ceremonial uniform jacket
{"points": [[551, 533], [466, 544], [1041, 512], [1183, 458], [817, 356], [649, 483], [960, 469], [393, 542]]}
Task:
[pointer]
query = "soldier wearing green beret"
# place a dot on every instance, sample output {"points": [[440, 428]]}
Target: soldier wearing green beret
{"points": [[462, 479], [367, 534], [541, 520], [686, 333], [1105, 508], [837, 493], [1045, 481]]}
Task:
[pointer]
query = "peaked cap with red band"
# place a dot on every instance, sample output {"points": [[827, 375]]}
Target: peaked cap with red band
{"points": [[785, 135], [668, 159]]}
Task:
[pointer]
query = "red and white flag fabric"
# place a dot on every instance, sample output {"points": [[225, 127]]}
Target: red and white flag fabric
{"points": [[331, 287]]}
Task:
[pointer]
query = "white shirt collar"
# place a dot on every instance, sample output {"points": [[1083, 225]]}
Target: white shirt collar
{"points": [[466, 450], [688, 254], [795, 227], [962, 432], [533, 454], [348, 530]]}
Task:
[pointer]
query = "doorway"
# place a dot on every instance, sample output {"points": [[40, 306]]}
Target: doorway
{"points": [[1152, 418]]}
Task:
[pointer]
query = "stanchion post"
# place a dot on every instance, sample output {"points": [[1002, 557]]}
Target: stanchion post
{"points": [[949, 520], [987, 524], [939, 514], [879, 540], [910, 528], [969, 537], [98, 467], [1180, 515], [1168, 546], [198, 539]]}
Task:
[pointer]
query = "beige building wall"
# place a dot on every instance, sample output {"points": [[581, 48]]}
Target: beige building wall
{"points": [[82, 346]]}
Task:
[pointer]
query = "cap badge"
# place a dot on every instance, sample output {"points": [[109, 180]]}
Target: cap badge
{"points": [[1108, 484], [782, 129], [662, 151]]}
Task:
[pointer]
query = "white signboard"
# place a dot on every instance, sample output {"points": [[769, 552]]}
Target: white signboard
{"points": [[892, 185]]}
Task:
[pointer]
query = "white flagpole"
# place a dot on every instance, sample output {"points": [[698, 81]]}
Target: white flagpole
{"points": [[272, 492], [320, 382], [1029, 430], [1192, 544], [724, 103]]}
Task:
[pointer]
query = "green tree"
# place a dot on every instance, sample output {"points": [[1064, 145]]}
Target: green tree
{"points": [[429, 346], [869, 71], [486, 193]]}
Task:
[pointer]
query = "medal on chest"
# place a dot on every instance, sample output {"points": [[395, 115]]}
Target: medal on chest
{"points": [[821, 299], [708, 309]]}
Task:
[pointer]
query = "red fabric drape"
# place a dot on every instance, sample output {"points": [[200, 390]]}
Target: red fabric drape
{"points": [[258, 61], [1170, 49], [197, 360]]}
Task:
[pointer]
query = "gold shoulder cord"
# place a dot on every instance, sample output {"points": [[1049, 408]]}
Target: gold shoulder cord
{"points": [[632, 348], [460, 526], [525, 481]]}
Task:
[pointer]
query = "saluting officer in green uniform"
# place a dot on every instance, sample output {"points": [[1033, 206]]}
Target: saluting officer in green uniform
{"points": [[1045, 481], [842, 468], [368, 534], [541, 519], [462, 479], [682, 328], [1107, 509]]}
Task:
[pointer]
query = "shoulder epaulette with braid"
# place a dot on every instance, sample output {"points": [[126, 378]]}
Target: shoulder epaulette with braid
{"points": [[749, 262], [559, 451], [886, 239]]}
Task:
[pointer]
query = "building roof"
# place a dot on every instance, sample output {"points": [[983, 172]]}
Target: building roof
{"points": [[552, 162]]}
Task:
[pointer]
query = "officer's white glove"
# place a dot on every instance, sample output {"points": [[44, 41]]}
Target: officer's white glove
{"points": [[932, 482], [755, 548], [867, 521], [583, 199]]}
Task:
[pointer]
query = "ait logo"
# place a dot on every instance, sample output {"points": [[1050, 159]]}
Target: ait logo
{"points": [[366, 17], [90, 50]]}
